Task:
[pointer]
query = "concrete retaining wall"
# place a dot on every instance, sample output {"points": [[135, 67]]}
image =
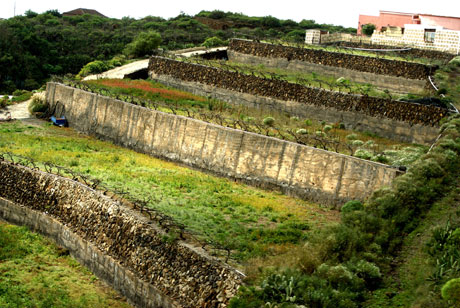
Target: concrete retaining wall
{"points": [[382, 82], [307, 172], [117, 244]]}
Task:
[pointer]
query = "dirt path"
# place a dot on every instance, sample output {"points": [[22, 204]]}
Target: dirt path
{"points": [[19, 111], [16, 112]]}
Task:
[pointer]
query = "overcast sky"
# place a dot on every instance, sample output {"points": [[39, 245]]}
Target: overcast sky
{"points": [[333, 11]]}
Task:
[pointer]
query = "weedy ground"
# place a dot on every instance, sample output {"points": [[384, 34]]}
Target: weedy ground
{"points": [[37, 273], [248, 221], [313, 132]]}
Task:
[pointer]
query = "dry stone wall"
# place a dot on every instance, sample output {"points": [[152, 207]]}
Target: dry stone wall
{"points": [[373, 65], [387, 118], [405, 51], [382, 82], [310, 173], [120, 246]]}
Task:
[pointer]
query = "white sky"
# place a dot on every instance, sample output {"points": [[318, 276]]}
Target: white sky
{"points": [[338, 12]]}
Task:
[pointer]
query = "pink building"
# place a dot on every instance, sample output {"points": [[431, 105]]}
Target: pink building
{"points": [[397, 19]]}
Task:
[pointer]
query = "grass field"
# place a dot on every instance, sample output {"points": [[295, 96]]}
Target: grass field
{"points": [[250, 222], [329, 136], [36, 273]]}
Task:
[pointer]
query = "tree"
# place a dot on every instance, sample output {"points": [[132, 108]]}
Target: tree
{"points": [[144, 44], [368, 29]]}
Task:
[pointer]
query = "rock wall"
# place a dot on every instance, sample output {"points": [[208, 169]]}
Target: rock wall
{"points": [[396, 130], [414, 52], [387, 118], [307, 172], [373, 65], [383, 82], [115, 243]]}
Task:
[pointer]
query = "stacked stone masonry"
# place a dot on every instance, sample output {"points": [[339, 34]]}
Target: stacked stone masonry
{"points": [[373, 65], [117, 244], [310, 173], [382, 82], [387, 118], [413, 52]]}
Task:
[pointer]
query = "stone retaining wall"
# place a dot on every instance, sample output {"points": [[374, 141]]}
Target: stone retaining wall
{"points": [[387, 118], [373, 65], [115, 243], [310, 173], [382, 82]]}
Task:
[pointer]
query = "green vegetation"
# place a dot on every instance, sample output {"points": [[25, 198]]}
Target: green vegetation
{"points": [[332, 136], [344, 263], [310, 79], [35, 46], [368, 29], [214, 42], [248, 221], [143, 44], [448, 80], [37, 273]]}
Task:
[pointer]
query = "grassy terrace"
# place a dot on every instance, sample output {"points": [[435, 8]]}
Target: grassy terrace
{"points": [[383, 55], [309, 79], [330, 136], [36, 273], [251, 222]]}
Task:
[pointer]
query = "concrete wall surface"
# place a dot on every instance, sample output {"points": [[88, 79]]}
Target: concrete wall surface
{"points": [[117, 244], [310, 173]]}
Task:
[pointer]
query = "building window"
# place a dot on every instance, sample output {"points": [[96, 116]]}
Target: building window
{"points": [[429, 35]]}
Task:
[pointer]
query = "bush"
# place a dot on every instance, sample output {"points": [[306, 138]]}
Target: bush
{"points": [[368, 29], [38, 103], [352, 137], [144, 44], [269, 121], [302, 131], [4, 101], [451, 290], [94, 67], [350, 206], [213, 42]]}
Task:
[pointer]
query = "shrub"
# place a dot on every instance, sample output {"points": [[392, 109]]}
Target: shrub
{"points": [[451, 290], [455, 62], [38, 103], [357, 143], [368, 29], [350, 206], [308, 122], [213, 42], [302, 131], [327, 128], [364, 154], [144, 44], [352, 137], [94, 67], [269, 121]]}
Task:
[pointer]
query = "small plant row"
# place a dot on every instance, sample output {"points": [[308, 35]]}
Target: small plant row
{"points": [[360, 63], [322, 138], [408, 53], [174, 229], [283, 90]]}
